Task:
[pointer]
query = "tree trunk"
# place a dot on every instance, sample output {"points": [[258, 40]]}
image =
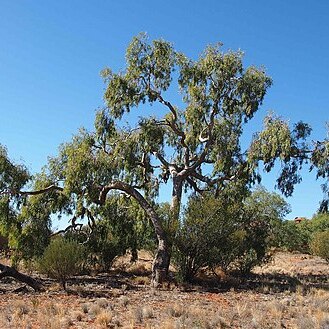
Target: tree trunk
{"points": [[10, 271], [176, 198], [160, 265], [162, 257], [161, 260]]}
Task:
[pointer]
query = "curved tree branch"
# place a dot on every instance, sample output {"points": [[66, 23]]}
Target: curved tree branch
{"points": [[41, 191]]}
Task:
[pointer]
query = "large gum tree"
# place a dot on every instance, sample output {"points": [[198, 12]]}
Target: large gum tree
{"points": [[191, 145], [195, 145]]}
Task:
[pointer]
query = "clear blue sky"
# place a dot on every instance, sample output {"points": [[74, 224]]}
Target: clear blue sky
{"points": [[51, 53]]}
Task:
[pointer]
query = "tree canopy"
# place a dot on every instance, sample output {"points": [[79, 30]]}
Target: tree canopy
{"points": [[194, 145]]}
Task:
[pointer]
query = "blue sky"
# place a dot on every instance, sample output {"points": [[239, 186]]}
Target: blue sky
{"points": [[51, 53]]}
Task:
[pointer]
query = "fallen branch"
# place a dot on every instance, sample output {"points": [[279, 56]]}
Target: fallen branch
{"points": [[11, 272]]}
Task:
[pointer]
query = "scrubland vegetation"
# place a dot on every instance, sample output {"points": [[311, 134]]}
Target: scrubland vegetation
{"points": [[211, 255], [289, 291]]}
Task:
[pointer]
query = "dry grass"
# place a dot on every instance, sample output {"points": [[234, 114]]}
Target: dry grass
{"points": [[140, 309], [131, 304]]}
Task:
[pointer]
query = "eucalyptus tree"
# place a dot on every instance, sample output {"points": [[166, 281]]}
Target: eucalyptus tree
{"points": [[191, 145], [194, 145]]}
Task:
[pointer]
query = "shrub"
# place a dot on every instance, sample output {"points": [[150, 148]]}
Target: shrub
{"points": [[231, 230], [319, 244], [61, 259], [119, 226], [294, 236], [205, 235]]}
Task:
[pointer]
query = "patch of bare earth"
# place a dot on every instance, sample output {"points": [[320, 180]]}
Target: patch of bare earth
{"points": [[289, 292]]}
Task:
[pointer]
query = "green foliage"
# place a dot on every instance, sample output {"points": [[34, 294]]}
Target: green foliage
{"points": [[278, 142], [204, 236], [319, 244], [263, 213], [294, 236], [13, 177], [120, 225], [62, 259], [319, 222], [113, 234], [228, 231]]}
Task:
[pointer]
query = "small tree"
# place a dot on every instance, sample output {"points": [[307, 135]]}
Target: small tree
{"points": [[62, 259], [229, 229], [294, 236], [263, 213]]}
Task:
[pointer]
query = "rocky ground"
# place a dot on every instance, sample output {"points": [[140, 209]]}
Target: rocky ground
{"points": [[289, 292]]}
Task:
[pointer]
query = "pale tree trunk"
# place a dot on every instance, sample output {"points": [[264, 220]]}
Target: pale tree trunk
{"points": [[175, 207], [176, 198], [161, 261], [160, 266]]}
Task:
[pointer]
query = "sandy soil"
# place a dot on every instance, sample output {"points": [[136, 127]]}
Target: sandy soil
{"points": [[289, 292]]}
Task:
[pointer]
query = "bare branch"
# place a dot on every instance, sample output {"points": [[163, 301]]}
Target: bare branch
{"points": [[41, 191], [69, 228], [194, 185], [164, 161], [169, 105]]}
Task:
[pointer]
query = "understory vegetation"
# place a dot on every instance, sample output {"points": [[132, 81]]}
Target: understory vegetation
{"points": [[226, 234], [106, 182]]}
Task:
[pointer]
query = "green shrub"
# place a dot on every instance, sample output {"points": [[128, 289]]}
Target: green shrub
{"points": [[231, 231], [294, 236], [205, 237], [119, 226], [319, 244], [62, 259]]}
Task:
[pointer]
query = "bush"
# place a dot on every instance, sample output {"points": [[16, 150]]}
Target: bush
{"points": [[319, 244], [120, 225], [61, 259], [205, 237], [294, 236], [230, 231]]}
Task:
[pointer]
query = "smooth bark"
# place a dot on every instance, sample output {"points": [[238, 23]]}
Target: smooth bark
{"points": [[160, 265]]}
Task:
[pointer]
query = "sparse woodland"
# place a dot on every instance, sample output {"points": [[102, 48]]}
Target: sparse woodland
{"points": [[221, 242]]}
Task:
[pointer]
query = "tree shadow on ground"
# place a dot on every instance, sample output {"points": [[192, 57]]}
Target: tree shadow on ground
{"points": [[265, 283], [115, 284]]}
